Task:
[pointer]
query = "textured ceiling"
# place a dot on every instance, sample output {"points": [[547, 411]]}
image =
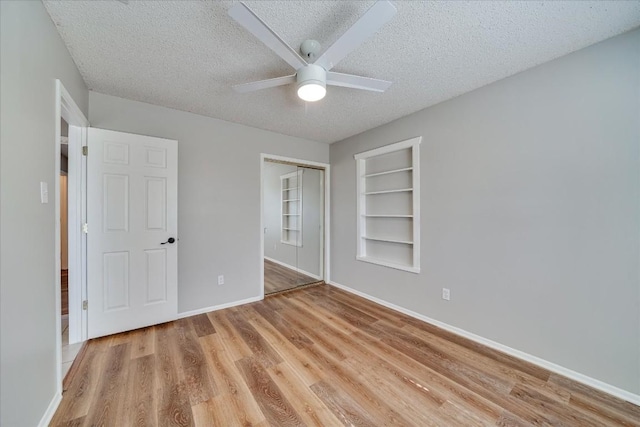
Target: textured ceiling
{"points": [[187, 54]]}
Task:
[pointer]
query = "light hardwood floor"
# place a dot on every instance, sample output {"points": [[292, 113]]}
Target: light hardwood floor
{"points": [[278, 278], [318, 356], [64, 291]]}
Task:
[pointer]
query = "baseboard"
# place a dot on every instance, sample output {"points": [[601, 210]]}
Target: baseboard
{"points": [[51, 410], [550, 366], [299, 270], [218, 307]]}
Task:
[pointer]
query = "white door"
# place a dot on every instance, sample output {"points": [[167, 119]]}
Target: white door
{"points": [[132, 215]]}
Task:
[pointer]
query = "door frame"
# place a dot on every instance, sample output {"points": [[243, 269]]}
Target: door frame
{"points": [[67, 109], [326, 250]]}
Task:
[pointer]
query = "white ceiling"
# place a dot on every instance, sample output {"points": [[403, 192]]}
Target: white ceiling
{"points": [[187, 54]]}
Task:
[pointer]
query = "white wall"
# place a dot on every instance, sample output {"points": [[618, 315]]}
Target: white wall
{"points": [[32, 56], [530, 198], [218, 193], [307, 256]]}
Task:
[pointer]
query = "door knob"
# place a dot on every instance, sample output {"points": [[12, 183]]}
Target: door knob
{"points": [[169, 240]]}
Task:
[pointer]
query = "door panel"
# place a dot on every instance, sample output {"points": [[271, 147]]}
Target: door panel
{"points": [[116, 280], [156, 274], [132, 210]]}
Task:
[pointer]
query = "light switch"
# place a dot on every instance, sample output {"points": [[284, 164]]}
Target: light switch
{"points": [[44, 192]]}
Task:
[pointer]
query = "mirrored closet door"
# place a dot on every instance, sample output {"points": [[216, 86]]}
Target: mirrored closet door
{"points": [[293, 209]]}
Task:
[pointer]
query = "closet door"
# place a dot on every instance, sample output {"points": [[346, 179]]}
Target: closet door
{"points": [[309, 254]]}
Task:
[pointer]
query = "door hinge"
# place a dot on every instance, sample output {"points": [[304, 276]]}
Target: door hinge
{"points": [[85, 304], [85, 150], [85, 228]]}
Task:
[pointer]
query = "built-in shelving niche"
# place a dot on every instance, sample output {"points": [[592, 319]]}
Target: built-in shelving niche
{"points": [[291, 208], [389, 205]]}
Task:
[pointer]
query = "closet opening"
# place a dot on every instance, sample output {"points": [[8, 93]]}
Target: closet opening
{"points": [[293, 224]]}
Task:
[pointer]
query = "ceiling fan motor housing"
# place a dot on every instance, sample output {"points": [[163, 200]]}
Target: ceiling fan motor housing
{"points": [[311, 74]]}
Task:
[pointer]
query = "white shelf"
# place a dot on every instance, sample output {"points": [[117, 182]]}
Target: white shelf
{"points": [[387, 216], [400, 190], [384, 263], [388, 172], [291, 208], [403, 242], [396, 168]]}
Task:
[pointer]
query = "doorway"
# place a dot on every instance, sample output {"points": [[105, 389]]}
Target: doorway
{"points": [[70, 242], [69, 351], [293, 220]]}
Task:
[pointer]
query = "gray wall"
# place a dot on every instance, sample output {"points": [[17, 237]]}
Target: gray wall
{"points": [[218, 193], [32, 57], [530, 212], [306, 257]]}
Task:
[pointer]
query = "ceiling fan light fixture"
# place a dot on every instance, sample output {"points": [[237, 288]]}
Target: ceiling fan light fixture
{"points": [[312, 83], [312, 91]]}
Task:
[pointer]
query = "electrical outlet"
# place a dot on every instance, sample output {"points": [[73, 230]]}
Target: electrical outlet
{"points": [[446, 294], [221, 280]]}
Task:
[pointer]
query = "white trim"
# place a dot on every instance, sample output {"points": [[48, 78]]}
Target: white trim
{"points": [[412, 265], [300, 162], [386, 149], [388, 264], [57, 251], [218, 307], [326, 252], [296, 269], [51, 410], [371, 175], [65, 107], [550, 366]]}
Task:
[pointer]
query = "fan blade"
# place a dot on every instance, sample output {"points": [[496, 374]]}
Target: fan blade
{"points": [[365, 27], [357, 82], [264, 84], [249, 20]]}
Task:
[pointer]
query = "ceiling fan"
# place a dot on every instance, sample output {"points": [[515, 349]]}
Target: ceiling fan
{"points": [[312, 77]]}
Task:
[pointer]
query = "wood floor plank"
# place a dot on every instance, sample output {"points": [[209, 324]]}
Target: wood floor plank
{"points": [[260, 348], [440, 387], [140, 409], [143, 342], [82, 389], [306, 403], [481, 360], [304, 367], [459, 415], [202, 325], [217, 411], [292, 334], [342, 378], [110, 393], [585, 396], [233, 342], [349, 412], [319, 357], [230, 382], [543, 402], [274, 405], [174, 408], [197, 379]]}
